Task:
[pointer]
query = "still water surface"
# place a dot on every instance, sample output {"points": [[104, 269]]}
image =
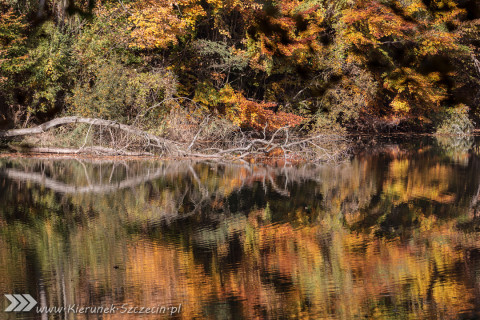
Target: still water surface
{"points": [[392, 233]]}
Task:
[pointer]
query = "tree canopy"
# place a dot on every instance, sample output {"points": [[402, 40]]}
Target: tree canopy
{"points": [[313, 64]]}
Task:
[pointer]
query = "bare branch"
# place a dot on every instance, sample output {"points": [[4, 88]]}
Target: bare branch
{"points": [[230, 142]]}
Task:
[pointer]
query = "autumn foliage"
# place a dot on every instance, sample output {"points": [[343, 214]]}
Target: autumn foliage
{"points": [[324, 65], [257, 115]]}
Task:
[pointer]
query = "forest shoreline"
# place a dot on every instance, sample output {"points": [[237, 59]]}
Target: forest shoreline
{"points": [[329, 67], [355, 143]]}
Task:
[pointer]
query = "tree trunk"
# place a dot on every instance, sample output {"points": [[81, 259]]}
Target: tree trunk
{"points": [[41, 9]]}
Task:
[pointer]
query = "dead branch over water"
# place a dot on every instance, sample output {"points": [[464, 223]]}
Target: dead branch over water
{"points": [[128, 140]]}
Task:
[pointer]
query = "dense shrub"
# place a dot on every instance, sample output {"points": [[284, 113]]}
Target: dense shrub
{"points": [[456, 122], [117, 92]]}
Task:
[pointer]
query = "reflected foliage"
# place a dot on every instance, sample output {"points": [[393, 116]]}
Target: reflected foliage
{"points": [[390, 234]]}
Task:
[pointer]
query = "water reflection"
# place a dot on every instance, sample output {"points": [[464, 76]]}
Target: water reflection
{"points": [[393, 233]]}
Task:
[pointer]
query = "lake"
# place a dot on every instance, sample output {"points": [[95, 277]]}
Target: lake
{"points": [[392, 233]]}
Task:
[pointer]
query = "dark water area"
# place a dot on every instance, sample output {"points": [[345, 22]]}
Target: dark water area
{"points": [[392, 233]]}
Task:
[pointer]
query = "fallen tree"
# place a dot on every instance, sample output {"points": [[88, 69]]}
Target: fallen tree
{"points": [[282, 143], [97, 122], [85, 150]]}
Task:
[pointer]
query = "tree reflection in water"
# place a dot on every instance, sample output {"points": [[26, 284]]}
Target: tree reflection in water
{"points": [[393, 233]]}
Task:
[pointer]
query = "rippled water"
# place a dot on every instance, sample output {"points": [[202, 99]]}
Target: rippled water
{"points": [[391, 234]]}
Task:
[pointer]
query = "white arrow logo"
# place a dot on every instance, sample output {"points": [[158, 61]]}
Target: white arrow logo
{"points": [[20, 302]]}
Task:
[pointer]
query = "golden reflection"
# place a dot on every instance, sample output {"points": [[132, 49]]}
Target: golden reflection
{"points": [[376, 237]]}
